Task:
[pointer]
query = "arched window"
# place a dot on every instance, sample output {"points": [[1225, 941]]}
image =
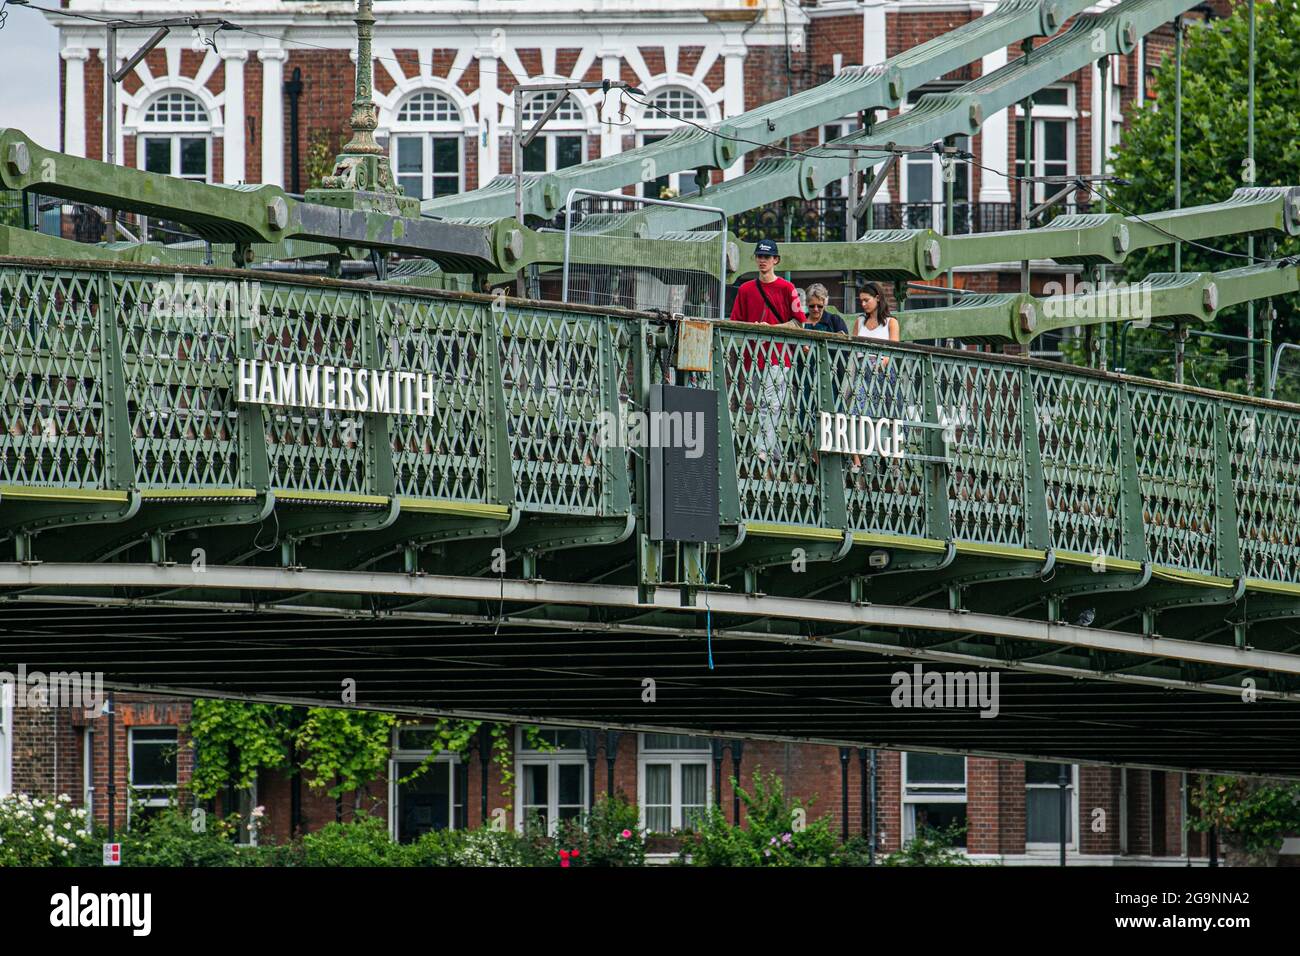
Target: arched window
{"points": [[668, 109], [427, 145], [428, 107], [563, 142], [678, 105], [175, 137], [538, 104]]}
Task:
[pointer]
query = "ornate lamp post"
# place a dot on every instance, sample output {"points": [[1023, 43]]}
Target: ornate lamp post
{"points": [[362, 178]]}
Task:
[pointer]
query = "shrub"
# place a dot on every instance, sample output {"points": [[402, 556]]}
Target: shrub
{"points": [[611, 835], [362, 842], [931, 847], [169, 838], [37, 831], [777, 834], [491, 848]]}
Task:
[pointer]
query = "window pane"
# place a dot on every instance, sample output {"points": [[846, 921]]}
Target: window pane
{"points": [[961, 179], [570, 784], [920, 187], [153, 758], [694, 792], [1042, 815], [535, 156], [423, 804], [410, 154], [417, 738], [939, 816], [675, 742], [446, 155], [535, 785], [1041, 771], [1058, 96], [936, 768], [412, 185], [158, 155], [658, 797], [446, 185], [1054, 140], [559, 739], [568, 151], [194, 157]]}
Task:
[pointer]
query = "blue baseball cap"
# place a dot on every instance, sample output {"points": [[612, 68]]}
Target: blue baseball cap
{"points": [[766, 247]]}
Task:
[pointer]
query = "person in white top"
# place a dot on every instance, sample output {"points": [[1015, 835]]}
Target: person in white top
{"points": [[873, 322]]}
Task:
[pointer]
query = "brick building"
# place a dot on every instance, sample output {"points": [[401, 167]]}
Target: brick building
{"points": [[270, 103], [1010, 808], [250, 107], [265, 104]]}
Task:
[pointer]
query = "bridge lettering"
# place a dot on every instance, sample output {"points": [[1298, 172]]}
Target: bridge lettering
{"points": [[335, 388]]}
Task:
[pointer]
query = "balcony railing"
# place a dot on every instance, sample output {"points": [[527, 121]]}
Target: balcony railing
{"points": [[825, 219]]}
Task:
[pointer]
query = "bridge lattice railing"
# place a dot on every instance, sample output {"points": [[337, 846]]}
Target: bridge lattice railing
{"points": [[125, 380]]}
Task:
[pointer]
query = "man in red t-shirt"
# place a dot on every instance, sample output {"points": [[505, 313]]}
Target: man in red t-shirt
{"points": [[769, 300]]}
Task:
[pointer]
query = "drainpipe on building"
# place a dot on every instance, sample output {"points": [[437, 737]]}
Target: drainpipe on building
{"points": [[715, 751], [111, 789], [737, 751], [873, 836], [844, 794], [611, 754], [484, 758], [1063, 781], [293, 90]]}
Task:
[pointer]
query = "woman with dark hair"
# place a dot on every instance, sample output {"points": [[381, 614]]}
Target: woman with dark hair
{"points": [[873, 322]]}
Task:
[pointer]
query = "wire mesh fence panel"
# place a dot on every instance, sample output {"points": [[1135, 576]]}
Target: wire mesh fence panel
{"points": [[612, 258]]}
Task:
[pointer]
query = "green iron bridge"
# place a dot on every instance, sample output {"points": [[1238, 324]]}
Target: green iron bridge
{"points": [[1124, 552]]}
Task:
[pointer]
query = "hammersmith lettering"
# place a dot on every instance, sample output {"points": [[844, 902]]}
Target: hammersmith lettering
{"points": [[335, 388]]}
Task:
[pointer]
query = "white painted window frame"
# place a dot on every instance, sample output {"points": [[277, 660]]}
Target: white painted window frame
{"points": [[1042, 113], [246, 836], [167, 790], [175, 132], [676, 759], [88, 771], [940, 793], [551, 759], [1073, 843], [6, 739], [427, 131], [654, 124], [397, 756]]}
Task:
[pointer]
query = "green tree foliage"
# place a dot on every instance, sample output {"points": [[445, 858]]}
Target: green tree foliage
{"points": [[1213, 156], [235, 740], [338, 751], [1253, 815]]}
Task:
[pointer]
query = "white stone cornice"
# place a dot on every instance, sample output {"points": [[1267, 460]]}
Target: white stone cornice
{"points": [[75, 53]]}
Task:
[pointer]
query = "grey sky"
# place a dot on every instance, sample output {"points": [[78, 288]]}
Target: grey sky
{"points": [[29, 75]]}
